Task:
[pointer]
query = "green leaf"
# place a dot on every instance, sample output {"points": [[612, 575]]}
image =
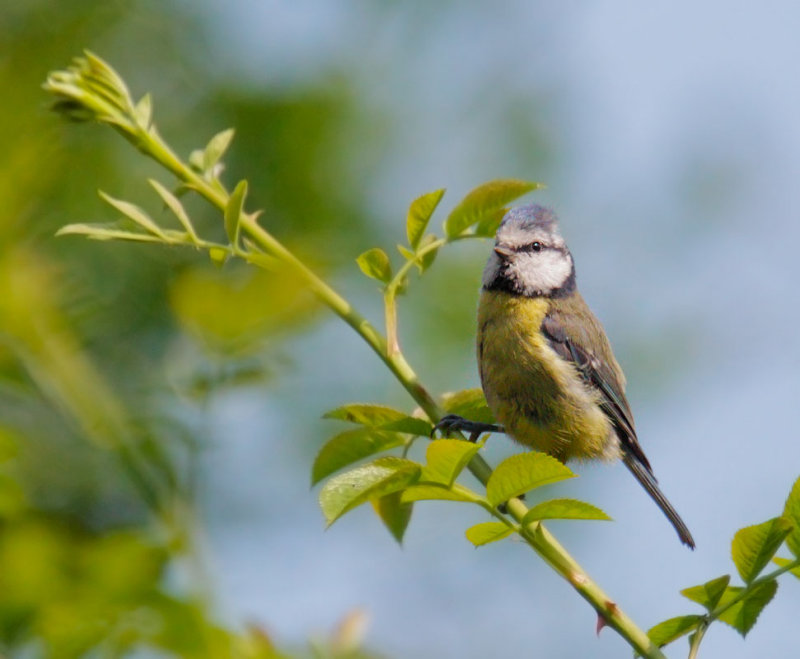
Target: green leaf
{"points": [[365, 414], [791, 511], [427, 259], [216, 148], [743, 615], [486, 532], [445, 460], [672, 629], [394, 513], [402, 286], [134, 213], [410, 425], [436, 492], [563, 509], [754, 546], [90, 89], [370, 481], [482, 202], [470, 404], [95, 69], [524, 472], [406, 253], [106, 232], [174, 204], [419, 214], [709, 593], [381, 416], [349, 447], [375, 264], [783, 562], [488, 226], [196, 160], [233, 211], [143, 112], [424, 257]]}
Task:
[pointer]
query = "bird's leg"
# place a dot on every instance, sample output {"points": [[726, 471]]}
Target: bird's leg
{"points": [[452, 423]]}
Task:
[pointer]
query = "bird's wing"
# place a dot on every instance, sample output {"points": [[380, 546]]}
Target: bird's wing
{"points": [[577, 336], [584, 343]]}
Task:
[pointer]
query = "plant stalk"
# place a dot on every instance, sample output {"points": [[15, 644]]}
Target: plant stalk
{"points": [[535, 534], [149, 142], [716, 613], [697, 638]]}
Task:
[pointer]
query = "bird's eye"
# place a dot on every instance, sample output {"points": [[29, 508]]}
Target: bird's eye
{"points": [[536, 246]]}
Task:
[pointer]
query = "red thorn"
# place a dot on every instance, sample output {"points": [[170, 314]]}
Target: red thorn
{"points": [[611, 607]]}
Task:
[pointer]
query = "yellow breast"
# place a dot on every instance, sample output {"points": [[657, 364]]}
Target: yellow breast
{"points": [[539, 397]]}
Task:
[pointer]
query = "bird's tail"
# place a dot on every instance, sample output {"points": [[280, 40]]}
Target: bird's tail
{"points": [[649, 483]]}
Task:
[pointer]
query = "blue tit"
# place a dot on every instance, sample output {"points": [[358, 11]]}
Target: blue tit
{"points": [[546, 365]]}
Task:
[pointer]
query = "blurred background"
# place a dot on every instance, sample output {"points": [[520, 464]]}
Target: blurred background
{"points": [[669, 138]]}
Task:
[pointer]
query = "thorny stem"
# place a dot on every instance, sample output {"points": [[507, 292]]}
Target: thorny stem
{"points": [[535, 534], [147, 140]]}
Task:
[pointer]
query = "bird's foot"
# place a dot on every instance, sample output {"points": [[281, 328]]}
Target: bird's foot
{"points": [[454, 423]]}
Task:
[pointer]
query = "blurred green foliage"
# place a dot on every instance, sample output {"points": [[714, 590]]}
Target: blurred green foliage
{"points": [[98, 540], [97, 490], [266, 304]]}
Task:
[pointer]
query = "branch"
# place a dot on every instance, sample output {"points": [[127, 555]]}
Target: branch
{"points": [[90, 87]]}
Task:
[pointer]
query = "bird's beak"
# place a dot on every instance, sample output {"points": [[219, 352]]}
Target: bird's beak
{"points": [[503, 252]]}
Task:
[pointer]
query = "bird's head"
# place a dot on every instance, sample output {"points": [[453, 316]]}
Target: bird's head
{"points": [[530, 257]]}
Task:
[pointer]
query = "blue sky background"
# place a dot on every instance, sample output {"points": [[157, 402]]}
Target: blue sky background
{"points": [[669, 138]]}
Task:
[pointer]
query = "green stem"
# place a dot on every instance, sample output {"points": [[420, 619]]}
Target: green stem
{"points": [[535, 534], [697, 638], [716, 613], [147, 140], [544, 544], [336, 303], [390, 307], [152, 144], [394, 285], [390, 295]]}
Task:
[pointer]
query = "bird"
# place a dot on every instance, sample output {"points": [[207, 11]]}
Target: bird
{"points": [[546, 366]]}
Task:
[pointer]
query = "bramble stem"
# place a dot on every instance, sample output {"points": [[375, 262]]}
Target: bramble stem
{"points": [[76, 87], [542, 542]]}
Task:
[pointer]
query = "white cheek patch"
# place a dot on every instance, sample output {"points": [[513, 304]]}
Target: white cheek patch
{"points": [[542, 272]]}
